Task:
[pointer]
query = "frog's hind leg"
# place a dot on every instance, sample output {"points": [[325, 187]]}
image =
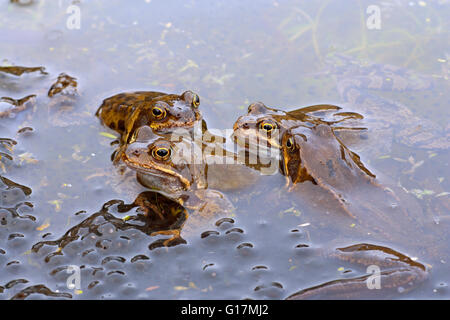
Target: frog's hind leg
{"points": [[336, 118], [117, 155], [174, 240], [317, 108], [390, 272], [175, 236], [301, 113]]}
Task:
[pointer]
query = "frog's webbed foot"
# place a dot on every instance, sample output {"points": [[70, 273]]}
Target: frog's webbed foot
{"points": [[174, 240], [116, 156], [163, 218], [392, 272]]}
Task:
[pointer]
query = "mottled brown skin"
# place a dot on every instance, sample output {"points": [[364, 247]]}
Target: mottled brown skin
{"points": [[18, 71], [64, 85], [315, 160], [125, 112]]}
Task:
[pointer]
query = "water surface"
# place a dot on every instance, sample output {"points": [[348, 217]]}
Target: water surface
{"points": [[231, 53]]}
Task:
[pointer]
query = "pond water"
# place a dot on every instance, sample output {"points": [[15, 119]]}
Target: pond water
{"points": [[63, 202]]}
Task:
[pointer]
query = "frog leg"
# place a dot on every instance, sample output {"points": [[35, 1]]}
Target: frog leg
{"points": [[400, 274], [117, 155], [314, 108], [174, 233], [175, 236], [349, 128], [148, 207], [345, 116]]}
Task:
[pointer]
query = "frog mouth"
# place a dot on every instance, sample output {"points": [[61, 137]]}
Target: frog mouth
{"points": [[160, 173], [244, 137]]}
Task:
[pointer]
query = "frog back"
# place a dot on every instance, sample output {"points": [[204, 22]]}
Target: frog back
{"points": [[115, 110]]}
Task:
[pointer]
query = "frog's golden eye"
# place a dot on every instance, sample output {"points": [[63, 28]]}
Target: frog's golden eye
{"points": [[195, 100], [161, 153], [158, 112], [290, 143], [267, 126]]}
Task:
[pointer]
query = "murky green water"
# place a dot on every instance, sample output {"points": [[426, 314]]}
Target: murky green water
{"points": [[231, 53]]}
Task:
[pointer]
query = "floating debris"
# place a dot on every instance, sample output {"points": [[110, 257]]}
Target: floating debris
{"points": [[294, 211], [16, 105], [180, 288], [151, 288], [442, 194], [45, 225], [108, 135], [421, 193], [57, 204], [304, 224], [65, 85], [18, 71]]}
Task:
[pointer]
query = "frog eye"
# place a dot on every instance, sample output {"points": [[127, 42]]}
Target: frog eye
{"points": [[161, 153], [290, 143], [267, 126], [195, 100], [158, 112]]}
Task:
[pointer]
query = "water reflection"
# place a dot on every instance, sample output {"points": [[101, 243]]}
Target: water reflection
{"points": [[159, 215]]}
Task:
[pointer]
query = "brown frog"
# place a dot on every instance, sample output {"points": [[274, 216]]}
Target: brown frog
{"points": [[125, 112], [179, 168], [264, 126], [318, 165]]}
